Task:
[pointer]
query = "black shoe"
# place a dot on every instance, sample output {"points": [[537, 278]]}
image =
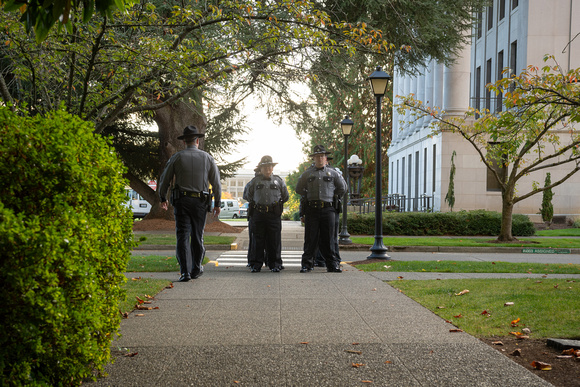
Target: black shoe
{"points": [[282, 267], [184, 278], [335, 269], [248, 265], [197, 275], [305, 269], [254, 270], [276, 270]]}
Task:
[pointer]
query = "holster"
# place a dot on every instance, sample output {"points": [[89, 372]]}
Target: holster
{"points": [[207, 197]]}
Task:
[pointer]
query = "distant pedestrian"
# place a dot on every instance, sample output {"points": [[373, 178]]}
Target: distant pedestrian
{"points": [[192, 170], [319, 185], [267, 194]]}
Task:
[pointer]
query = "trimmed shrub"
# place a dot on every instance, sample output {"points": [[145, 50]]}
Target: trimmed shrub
{"points": [[462, 223], [65, 238]]}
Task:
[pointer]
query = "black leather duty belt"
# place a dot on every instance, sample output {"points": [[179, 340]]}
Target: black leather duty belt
{"points": [[265, 208], [191, 194], [319, 204]]}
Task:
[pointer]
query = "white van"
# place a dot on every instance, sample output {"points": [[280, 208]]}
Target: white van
{"points": [[140, 206], [230, 209]]}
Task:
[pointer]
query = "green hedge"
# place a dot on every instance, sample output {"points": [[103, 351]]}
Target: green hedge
{"points": [[461, 223], [65, 238]]}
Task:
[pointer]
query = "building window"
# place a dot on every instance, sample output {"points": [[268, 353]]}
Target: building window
{"points": [[479, 24], [513, 58], [425, 171], [415, 202], [497, 166], [499, 97], [490, 17], [487, 82], [391, 177], [434, 165], [397, 179], [513, 61], [477, 87], [403, 175], [514, 4], [501, 9], [410, 172]]}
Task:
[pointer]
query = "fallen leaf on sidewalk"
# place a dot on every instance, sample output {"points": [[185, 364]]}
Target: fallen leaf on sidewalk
{"points": [[357, 365], [456, 330], [304, 342], [139, 315], [541, 366], [352, 351], [388, 362], [132, 354], [355, 343], [400, 277], [366, 381]]}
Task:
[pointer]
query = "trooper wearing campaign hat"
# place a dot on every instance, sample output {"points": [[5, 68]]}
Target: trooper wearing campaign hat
{"points": [[266, 194], [319, 185], [192, 170]]}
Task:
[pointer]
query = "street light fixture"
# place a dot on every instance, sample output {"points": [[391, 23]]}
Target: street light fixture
{"points": [[346, 126], [379, 82]]}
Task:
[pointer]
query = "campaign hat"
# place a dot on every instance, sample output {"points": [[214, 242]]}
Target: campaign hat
{"points": [[319, 150], [190, 132]]}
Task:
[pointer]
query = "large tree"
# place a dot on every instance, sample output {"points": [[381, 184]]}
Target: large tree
{"points": [[536, 132], [168, 61], [421, 30]]}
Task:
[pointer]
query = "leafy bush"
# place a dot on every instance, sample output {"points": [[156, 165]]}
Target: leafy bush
{"points": [[66, 238], [479, 222]]}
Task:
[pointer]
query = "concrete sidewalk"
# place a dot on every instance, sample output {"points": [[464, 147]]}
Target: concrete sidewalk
{"points": [[233, 327]]}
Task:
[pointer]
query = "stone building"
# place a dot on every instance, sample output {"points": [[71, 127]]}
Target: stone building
{"points": [[510, 33]]}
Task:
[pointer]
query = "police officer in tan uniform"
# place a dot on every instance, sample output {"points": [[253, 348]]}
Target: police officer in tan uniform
{"points": [[267, 194], [193, 170], [319, 185]]}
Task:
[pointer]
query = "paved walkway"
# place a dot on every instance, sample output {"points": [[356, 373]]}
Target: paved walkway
{"points": [[232, 327]]}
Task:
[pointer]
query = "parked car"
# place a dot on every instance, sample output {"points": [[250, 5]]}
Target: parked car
{"points": [[244, 210], [230, 209]]}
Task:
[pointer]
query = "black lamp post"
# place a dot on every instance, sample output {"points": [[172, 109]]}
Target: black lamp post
{"points": [[346, 126], [379, 81]]}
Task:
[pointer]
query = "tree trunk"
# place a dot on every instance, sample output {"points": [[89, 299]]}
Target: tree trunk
{"points": [[170, 121], [505, 234]]}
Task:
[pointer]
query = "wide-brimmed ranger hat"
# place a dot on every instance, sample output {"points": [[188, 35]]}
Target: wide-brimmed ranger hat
{"points": [[266, 160], [319, 150], [190, 132]]}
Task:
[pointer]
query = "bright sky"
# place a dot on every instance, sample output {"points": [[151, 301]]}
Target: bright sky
{"points": [[268, 138]]}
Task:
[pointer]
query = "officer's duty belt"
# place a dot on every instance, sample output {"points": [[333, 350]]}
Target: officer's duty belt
{"points": [[319, 204], [265, 207], [191, 194]]}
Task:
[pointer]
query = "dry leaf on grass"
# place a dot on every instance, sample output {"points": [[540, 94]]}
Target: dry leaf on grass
{"points": [[508, 304], [461, 293]]}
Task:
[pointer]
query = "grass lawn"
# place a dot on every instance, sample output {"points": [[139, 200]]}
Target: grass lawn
{"points": [[142, 288], [170, 239], [471, 242], [561, 232], [548, 307], [471, 267], [155, 263]]}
